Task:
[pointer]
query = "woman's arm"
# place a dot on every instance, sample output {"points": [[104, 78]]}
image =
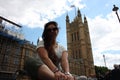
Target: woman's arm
{"points": [[44, 56], [65, 66], [64, 61]]}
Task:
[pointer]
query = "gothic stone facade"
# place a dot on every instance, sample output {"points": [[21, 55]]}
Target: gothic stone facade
{"points": [[79, 46], [13, 52]]}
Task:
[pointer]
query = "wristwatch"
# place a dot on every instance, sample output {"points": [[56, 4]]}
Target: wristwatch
{"points": [[67, 73]]}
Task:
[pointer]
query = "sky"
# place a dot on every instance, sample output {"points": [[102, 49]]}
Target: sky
{"points": [[103, 23]]}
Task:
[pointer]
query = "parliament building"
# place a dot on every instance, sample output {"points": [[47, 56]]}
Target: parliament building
{"points": [[79, 46], [13, 50]]}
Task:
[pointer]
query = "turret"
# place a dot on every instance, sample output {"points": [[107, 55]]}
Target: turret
{"points": [[67, 18], [85, 20], [78, 13], [79, 16]]}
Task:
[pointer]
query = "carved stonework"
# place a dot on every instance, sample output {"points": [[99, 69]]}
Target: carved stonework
{"points": [[79, 46]]}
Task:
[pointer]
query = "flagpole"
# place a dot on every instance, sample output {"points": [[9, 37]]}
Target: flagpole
{"points": [[74, 8]]}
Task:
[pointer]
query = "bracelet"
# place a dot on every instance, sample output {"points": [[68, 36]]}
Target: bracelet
{"points": [[55, 70], [67, 73]]}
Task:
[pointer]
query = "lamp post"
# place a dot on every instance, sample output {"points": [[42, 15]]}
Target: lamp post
{"points": [[115, 8], [104, 60]]}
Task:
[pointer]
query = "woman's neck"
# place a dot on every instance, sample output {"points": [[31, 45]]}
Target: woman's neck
{"points": [[55, 45]]}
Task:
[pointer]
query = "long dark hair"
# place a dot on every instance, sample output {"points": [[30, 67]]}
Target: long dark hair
{"points": [[49, 41]]}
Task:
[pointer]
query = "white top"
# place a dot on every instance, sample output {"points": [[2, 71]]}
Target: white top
{"points": [[59, 49]]}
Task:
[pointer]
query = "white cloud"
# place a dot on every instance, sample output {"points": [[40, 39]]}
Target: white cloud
{"points": [[105, 39], [34, 13]]}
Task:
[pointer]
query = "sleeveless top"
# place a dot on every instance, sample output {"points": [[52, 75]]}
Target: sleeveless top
{"points": [[59, 49]]}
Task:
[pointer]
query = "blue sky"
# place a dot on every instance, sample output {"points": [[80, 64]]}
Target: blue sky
{"points": [[103, 24]]}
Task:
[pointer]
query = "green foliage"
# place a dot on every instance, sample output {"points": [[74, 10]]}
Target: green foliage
{"points": [[101, 71]]}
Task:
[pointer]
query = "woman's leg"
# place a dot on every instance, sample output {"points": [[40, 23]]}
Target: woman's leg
{"points": [[45, 73]]}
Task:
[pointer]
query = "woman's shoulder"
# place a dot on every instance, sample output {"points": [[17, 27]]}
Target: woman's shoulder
{"points": [[61, 47], [40, 43]]}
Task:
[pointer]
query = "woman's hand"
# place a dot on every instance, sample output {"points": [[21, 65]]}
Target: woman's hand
{"points": [[60, 76], [69, 76]]}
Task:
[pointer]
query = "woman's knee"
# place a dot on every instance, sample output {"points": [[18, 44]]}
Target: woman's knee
{"points": [[45, 73]]}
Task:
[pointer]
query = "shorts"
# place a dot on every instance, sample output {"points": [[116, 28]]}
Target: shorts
{"points": [[32, 65]]}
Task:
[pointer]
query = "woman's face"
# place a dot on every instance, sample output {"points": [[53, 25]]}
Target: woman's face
{"points": [[52, 29]]}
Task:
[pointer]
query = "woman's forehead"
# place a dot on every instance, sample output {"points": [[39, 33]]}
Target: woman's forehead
{"points": [[51, 26]]}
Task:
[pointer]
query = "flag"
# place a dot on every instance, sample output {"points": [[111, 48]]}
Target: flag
{"points": [[72, 6]]}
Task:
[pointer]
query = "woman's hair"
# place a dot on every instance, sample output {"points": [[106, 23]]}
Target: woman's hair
{"points": [[45, 28], [49, 39]]}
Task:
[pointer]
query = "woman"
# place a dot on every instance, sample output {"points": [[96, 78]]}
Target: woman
{"points": [[52, 63]]}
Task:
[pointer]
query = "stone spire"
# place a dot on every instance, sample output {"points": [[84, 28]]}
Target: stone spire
{"points": [[78, 13], [85, 19], [79, 16], [67, 18]]}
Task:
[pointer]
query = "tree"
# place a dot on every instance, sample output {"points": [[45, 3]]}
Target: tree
{"points": [[101, 71]]}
